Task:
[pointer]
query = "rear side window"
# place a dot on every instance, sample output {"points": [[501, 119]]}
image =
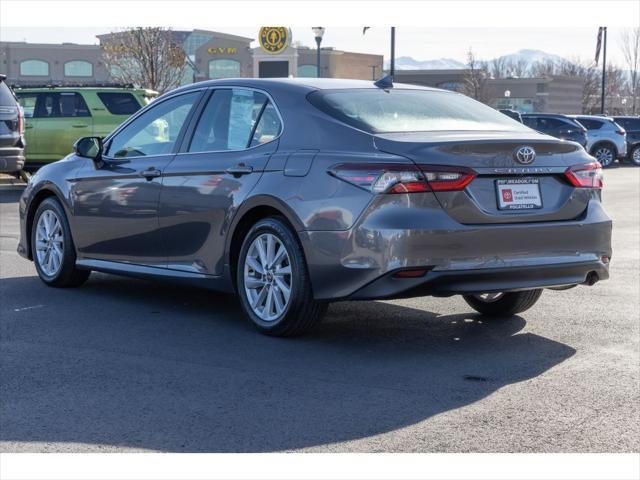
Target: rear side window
{"points": [[590, 124], [54, 105], [530, 122], [119, 103], [404, 110], [629, 123], [228, 122], [6, 97]]}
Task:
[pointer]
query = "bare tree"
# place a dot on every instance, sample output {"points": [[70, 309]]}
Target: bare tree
{"points": [[517, 68], [630, 40], [545, 68], [475, 79], [498, 67], [616, 88], [590, 75], [145, 56]]}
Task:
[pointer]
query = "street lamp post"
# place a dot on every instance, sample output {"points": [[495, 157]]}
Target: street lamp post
{"points": [[507, 95], [318, 32]]}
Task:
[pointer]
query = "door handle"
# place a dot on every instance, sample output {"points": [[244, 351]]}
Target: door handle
{"points": [[79, 126], [151, 173], [240, 169], [28, 125]]}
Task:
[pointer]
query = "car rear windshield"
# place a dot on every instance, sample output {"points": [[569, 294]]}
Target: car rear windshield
{"points": [[6, 97], [119, 103], [404, 110]]}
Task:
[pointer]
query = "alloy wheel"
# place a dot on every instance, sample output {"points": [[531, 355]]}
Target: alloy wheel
{"points": [[267, 277], [635, 156], [604, 155], [49, 243], [489, 297]]}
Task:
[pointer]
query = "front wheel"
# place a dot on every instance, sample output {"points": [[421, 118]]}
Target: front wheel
{"points": [[503, 304], [52, 246], [273, 281]]}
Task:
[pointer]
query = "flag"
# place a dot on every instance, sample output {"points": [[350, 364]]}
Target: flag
{"points": [[599, 43], [364, 29]]}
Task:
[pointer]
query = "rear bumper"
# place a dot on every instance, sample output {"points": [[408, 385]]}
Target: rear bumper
{"points": [[360, 262], [444, 283], [11, 160]]}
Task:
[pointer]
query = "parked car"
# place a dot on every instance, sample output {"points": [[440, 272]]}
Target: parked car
{"points": [[606, 140], [632, 127], [556, 125], [11, 131], [512, 114], [57, 116], [298, 192]]}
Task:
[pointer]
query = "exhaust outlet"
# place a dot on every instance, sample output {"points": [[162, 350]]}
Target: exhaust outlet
{"points": [[592, 278]]}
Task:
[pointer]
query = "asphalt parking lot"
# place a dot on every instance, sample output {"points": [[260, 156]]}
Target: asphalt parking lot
{"points": [[129, 365]]}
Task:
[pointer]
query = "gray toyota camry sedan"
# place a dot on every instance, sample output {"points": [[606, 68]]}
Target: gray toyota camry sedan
{"points": [[294, 193]]}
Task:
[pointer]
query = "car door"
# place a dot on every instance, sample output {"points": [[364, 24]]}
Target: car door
{"points": [[27, 101], [115, 201], [62, 118], [219, 164]]}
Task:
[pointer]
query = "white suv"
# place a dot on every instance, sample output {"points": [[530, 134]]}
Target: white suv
{"points": [[606, 140]]}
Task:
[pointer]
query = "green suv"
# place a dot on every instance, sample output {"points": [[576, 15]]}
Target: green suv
{"points": [[55, 117]]}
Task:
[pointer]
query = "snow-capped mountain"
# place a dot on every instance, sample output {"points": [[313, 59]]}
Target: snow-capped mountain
{"points": [[409, 63], [529, 56]]}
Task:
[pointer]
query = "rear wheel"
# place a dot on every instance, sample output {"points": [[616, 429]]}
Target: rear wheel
{"points": [[634, 155], [52, 247], [605, 154], [503, 304], [273, 281]]}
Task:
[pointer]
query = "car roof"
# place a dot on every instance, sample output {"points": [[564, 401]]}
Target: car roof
{"points": [[48, 88], [301, 84], [556, 115], [592, 117]]}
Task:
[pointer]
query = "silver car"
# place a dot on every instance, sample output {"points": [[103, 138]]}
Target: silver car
{"points": [[606, 140], [294, 193]]}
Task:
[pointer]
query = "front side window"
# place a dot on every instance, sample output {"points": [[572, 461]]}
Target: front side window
{"points": [[224, 68], [404, 110], [228, 121], [56, 104], [78, 68], [119, 103], [156, 131], [34, 68]]}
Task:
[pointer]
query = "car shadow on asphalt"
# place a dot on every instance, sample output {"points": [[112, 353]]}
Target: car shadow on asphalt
{"points": [[128, 363]]}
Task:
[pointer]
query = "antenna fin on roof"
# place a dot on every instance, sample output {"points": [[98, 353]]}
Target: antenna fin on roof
{"points": [[385, 82]]}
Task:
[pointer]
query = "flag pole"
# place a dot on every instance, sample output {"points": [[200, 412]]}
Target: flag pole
{"points": [[604, 67], [392, 65]]}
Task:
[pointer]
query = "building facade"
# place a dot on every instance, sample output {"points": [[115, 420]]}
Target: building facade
{"points": [[552, 94], [211, 55]]}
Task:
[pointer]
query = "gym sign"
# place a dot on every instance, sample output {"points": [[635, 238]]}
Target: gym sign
{"points": [[222, 50], [274, 39]]}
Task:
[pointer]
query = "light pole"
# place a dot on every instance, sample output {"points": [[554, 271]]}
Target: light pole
{"points": [[507, 95], [318, 32]]}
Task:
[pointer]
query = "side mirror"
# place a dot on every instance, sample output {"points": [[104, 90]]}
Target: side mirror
{"points": [[89, 147]]}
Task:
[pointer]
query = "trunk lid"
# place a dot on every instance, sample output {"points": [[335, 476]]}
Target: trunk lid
{"points": [[492, 155]]}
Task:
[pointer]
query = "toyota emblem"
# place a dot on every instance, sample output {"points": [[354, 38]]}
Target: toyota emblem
{"points": [[525, 155]]}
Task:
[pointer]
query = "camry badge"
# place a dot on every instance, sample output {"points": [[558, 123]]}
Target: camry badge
{"points": [[525, 155]]}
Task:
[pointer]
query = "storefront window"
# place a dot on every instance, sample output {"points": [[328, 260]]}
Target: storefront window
{"points": [[78, 68], [34, 68], [224, 68], [307, 71]]}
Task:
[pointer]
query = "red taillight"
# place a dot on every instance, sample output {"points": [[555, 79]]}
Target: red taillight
{"points": [[587, 175], [621, 132], [392, 178], [20, 120]]}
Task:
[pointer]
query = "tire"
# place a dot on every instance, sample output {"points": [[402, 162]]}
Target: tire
{"points": [[634, 156], [605, 154], [507, 304], [62, 273], [262, 282]]}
